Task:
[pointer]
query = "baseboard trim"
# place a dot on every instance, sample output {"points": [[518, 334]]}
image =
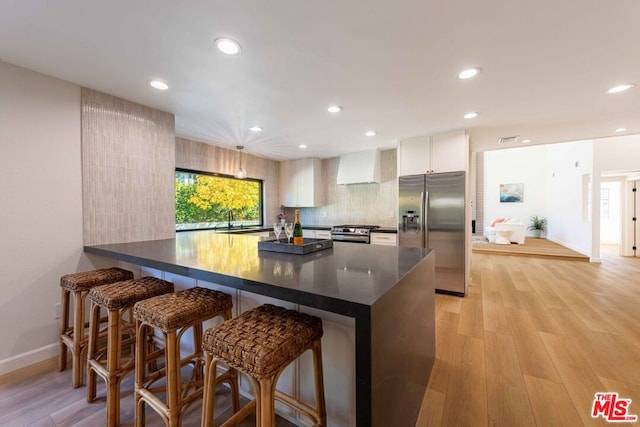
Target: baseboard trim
{"points": [[23, 360]]}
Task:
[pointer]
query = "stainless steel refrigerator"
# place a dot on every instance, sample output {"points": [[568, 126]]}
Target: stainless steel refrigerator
{"points": [[432, 215]]}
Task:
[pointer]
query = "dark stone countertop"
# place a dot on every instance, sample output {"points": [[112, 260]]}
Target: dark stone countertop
{"points": [[333, 279], [388, 290]]}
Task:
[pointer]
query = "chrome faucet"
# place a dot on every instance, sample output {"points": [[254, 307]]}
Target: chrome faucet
{"points": [[229, 218]]}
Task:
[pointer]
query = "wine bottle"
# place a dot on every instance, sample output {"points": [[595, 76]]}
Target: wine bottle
{"points": [[297, 230]]}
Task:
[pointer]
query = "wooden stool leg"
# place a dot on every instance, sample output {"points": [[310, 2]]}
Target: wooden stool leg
{"points": [[265, 396], [197, 343], [233, 375], [64, 325], [319, 382], [114, 349], [208, 407], [173, 377], [140, 371], [235, 390], [78, 338], [92, 349]]}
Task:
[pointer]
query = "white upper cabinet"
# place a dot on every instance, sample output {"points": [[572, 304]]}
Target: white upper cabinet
{"points": [[414, 156], [445, 152], [300, 182], [449, 151]]}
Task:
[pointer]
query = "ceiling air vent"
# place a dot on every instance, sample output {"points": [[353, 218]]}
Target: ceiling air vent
{"points": [[508, 140]]}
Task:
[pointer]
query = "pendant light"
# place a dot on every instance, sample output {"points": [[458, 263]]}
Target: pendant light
{"points": [[241, 173]]}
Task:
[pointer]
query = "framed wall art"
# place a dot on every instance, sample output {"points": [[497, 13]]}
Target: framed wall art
{"points": [[511, 193]]}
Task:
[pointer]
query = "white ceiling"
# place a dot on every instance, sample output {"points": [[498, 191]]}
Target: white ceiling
{"points": [[392, 65]]}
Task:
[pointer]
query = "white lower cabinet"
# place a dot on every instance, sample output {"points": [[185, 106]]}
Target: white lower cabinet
{"points": [[316, 234], [339, 366], [386, 239], [323, 234]]}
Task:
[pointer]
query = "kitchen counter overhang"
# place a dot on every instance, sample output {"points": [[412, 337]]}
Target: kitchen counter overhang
{"points": [[389, 291]]}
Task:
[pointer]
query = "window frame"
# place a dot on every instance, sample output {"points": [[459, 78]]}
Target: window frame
{"points": [[222, 175]]}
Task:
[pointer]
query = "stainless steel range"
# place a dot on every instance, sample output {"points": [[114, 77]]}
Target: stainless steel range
{"points": [[352, 233]]}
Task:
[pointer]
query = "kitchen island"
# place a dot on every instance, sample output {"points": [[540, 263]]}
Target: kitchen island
{"points": [[379, 356]]}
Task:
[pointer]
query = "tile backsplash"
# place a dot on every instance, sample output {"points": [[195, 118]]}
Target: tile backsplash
{"points": [[371, 204], [128, 159]]}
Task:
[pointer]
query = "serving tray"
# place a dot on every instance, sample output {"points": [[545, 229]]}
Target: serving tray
{"points": [[308, 246]]}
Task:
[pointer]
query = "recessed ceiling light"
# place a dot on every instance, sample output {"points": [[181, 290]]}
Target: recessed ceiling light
{"points": [[370, 133], [158, 84], [622, 130], [468, 73], [303, 146], [334, 109], [227, 46], [525, 141], [255, 128], [621, 88], [472, 115]]}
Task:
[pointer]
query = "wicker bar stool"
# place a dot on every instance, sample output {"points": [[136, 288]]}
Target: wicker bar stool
{"points": [[174, 314], [108, 361], [73, 336], [261, 343]]}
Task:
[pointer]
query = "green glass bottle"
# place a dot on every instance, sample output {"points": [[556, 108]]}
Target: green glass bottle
{"points": [[297, 230]]}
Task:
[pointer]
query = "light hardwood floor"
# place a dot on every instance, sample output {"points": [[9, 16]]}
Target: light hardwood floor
{"points": [[539, 248], [530, 345], [40, 396], [533, 341]]}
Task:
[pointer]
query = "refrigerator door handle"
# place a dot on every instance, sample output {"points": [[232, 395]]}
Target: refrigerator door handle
{"points": [[424, 196]]}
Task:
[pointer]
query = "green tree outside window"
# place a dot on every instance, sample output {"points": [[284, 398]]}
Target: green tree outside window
{"points": [[204, 201]]}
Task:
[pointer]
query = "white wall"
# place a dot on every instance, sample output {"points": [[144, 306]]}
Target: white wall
{"points": [[620, 153], [526, 165], [567, 164], [41, 213], [552, 188]]}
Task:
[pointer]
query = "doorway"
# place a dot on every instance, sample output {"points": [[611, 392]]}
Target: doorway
{"points": [[610, 212], [619, 209]]}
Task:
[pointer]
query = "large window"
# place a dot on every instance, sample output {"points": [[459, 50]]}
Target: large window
{"points": [[205, 200]]}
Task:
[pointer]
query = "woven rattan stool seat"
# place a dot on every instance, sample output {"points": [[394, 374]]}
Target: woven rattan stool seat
{"points": [[262, 341], [88, 279], [172, 311], [125, 294]]}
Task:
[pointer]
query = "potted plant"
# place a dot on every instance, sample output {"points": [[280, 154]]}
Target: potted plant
{"points": [[537, 225]]}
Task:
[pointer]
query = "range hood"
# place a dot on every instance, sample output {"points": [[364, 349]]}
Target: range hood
{"points": [[359, 168]]}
